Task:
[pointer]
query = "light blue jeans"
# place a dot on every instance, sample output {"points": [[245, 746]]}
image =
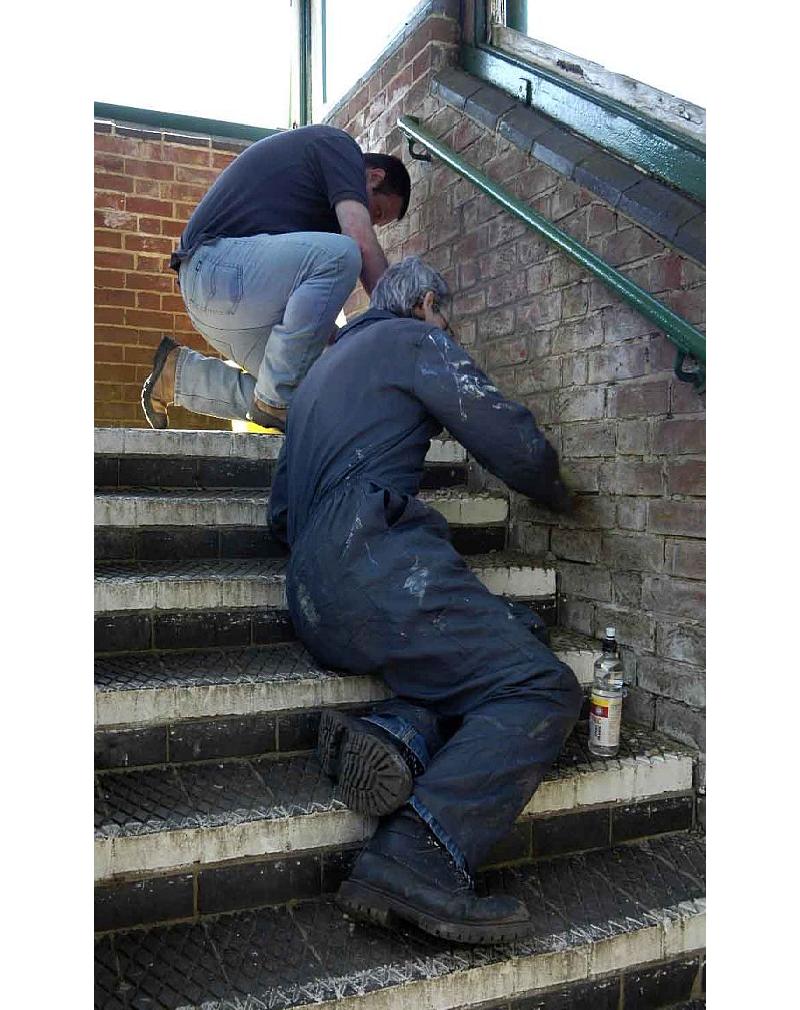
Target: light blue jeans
{"points": [[267, 302]]}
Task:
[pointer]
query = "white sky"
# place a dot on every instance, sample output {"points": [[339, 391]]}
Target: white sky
{"points": [[665, 47], [232, 62]]}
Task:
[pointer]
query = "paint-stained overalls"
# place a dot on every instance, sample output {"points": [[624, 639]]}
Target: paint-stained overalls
{"points": [[374, 585]]}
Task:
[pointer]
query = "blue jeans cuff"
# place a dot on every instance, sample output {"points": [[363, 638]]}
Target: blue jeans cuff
{"points": [[407, 734], [441, 835]]}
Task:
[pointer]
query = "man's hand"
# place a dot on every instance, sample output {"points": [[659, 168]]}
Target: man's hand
{"points": [[355, 223]]}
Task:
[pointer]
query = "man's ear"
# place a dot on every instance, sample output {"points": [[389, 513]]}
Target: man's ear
{"points": [[375, 177]]}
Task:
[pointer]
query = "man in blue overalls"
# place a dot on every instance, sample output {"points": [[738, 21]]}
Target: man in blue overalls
{"points": [[482, 706]]}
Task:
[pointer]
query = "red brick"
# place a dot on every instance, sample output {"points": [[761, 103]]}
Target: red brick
{"points": [[496, 324], [149, 169], [602, 220], [220, 160], [686, 399], [188, 155], [114, 201], [115, 183], [198, 176], [115, 219], [145, 205], [106, 239], [148, 320], [673, 435], [578, 335], [172, 228], [678, 518], [114, 260], [149, 243], [149, 282], [172, 303], [147, 300], [139, 354], [666, 273], [633, 438], [105, 372], [182, 191], [114, 334], [119, 411], [586, 403], [110, 353], [147, 187], [109, 278], [105, 296]]}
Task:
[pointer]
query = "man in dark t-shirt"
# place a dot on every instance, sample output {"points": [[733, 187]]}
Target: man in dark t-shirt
{"points": [[265, 264]]}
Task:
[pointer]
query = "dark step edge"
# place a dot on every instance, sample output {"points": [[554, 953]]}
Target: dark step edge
{"points": [[145, 899]]}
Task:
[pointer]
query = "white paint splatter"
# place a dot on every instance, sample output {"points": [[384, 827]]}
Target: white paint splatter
{"points": [[417, 581], [357, 525], [307, 608]]}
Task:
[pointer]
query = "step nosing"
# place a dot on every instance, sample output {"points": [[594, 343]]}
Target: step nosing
{"points": [[591, 915], [270, 805]]}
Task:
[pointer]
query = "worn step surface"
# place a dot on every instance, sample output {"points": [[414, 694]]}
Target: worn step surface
{"points": [[210, 585], [136, 457], [152, 507], [591, 915], [164, 818], [151, 689], [171, 525]]}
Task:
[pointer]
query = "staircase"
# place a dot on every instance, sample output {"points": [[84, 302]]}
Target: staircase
{"points": [[219, 842]]}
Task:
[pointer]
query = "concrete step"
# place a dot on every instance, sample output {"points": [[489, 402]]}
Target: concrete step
{"points": [[594, 917], [145, 507], [161, 525], [137, 457], [144, 691], [211, 585], [185, 818]]}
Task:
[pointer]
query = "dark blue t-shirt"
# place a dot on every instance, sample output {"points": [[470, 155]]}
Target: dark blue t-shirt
{"points": [[288, 182]]}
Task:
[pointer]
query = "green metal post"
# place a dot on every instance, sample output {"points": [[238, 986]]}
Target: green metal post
{"points": [[677, 329]]}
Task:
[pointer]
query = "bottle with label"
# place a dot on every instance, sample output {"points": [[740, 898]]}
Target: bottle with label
{"points": [[605, 709]]}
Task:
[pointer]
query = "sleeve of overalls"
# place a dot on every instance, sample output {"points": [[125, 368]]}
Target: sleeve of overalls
{"points": [[500, 434], [279, 499]]}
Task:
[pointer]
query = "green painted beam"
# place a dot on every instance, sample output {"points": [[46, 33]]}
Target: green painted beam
{"points": [[675, 327], [676, 159], [185, 124]]}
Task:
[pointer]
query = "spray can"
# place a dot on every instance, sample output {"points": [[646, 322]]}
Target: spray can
{"points": [[605, 709]]}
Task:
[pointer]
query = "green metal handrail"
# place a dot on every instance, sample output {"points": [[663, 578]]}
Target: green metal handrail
{"points": [[686, 338]]}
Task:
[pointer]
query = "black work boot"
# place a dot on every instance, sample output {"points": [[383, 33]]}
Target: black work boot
{"points": [[374, 771], [405, 872]]}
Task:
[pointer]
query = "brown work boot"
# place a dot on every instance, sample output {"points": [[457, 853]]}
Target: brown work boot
{"points": [[158, 391], [267, 416]]}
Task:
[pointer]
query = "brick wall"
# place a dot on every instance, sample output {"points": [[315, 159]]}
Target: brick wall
{"points": [[596, 374], [146, 186]]}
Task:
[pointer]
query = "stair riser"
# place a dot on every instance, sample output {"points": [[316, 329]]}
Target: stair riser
{"points": [[180, 542], [209, 889], [652, 987], [137, 631], [197, 472]]}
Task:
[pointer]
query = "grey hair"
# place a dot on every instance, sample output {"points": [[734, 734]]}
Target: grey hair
{"points": [[404, 284]]}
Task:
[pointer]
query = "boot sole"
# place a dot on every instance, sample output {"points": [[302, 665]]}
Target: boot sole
{"points": [[372, 906], [372, 776], [158, 421]]}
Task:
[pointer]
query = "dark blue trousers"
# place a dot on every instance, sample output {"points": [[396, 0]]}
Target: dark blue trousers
{"points": [[374, 586]]}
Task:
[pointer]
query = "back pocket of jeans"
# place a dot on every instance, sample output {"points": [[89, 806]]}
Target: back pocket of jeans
{"points": [[220, 287]]}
